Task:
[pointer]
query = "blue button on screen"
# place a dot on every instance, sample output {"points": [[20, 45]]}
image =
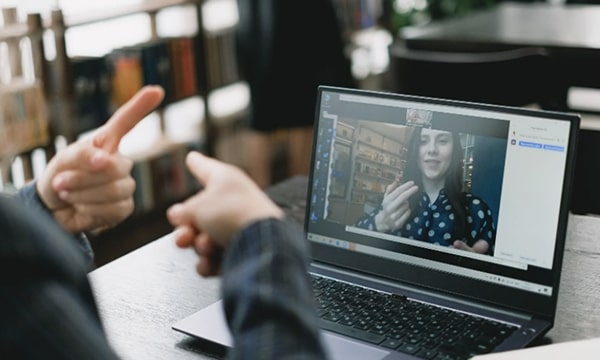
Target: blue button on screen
{"points": [[554, 148], [530, 144]]}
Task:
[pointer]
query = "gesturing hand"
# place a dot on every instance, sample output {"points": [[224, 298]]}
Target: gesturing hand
{"points": [[395, 208], [481, 246], [88, 185], [228, 202]]}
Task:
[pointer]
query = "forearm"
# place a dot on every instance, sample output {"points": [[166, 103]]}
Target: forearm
{"points": [[268, 296]]}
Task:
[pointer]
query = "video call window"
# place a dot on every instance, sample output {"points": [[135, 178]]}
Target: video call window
{"points": [[371, 161]]}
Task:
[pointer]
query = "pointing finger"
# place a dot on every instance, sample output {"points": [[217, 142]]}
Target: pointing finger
{"points": [[127, 116]]}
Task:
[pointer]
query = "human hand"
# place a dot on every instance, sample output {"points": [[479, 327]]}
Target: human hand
{"points": [[88, 185], [480, 247], [395, 207], [228, 202]]}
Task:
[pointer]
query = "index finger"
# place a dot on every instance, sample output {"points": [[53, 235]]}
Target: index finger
{"points": [[127, 116], [391, 187]]}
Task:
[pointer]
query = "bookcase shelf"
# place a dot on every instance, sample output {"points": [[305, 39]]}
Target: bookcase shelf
{"points": [[216, 69], [14, 32], [366, 159], [22, 90], [113, 12], [152, 61], [76, 92]]}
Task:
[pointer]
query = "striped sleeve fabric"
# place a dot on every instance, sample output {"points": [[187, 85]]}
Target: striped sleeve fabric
{"points": [[267, 294]]}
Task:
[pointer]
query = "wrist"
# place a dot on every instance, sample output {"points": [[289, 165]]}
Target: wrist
{"points": [[380, 224], [30, 196]]}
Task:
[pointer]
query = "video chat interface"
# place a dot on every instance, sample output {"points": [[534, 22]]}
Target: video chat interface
{"points": [[526, 214]]}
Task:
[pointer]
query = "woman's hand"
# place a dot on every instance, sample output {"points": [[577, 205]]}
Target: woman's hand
{"points": [[480, 247], [395, 207]]}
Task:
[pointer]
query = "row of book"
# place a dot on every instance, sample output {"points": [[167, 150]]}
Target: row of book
{"points": [[23, 116], [163, 178], [102, 84]]}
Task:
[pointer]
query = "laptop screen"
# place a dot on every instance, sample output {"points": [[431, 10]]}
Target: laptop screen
{"points": [[465, 198]]}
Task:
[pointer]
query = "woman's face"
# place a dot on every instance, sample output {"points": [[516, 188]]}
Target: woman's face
{"points": [[435, 153]]}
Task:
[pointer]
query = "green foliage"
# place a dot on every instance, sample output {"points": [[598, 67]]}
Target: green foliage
{"points": [[441, 9], [416, 12]]}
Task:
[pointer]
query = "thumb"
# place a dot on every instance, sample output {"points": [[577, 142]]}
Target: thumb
{"points": [[201, 166], [461, 245]]}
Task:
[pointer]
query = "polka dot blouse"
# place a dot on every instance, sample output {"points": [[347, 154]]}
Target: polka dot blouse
{"points": [[434, 223]]}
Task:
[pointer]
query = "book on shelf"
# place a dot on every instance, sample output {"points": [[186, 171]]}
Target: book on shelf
{"points": [[199, 63], [183, 67], [157, 67], [220, 58], [23, 111], [162, 178], [91, 79], [143, 195], [168, 62], [127, 74]]}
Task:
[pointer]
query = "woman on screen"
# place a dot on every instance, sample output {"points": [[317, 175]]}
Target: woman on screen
{"points": [[428, 203]]}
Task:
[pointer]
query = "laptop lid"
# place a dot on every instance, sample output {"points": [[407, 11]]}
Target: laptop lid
{"points": [[515, 173]]}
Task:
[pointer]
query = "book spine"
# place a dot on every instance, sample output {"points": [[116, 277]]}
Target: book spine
{"points": [[91, 85], [176, 75], [144, 190], [187, 68], [157, 66], [127, 76]]}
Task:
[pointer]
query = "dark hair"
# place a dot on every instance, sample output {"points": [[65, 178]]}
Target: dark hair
{"points": [[454, 179]]}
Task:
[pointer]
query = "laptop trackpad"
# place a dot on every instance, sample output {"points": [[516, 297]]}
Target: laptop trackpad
{"points": [[209, 324], [341, 348]]}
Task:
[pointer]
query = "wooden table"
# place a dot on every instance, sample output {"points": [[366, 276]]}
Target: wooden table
{"points": [[141, 294]]}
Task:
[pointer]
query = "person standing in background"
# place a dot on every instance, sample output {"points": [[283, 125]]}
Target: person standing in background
{"points": [[285, 49]]}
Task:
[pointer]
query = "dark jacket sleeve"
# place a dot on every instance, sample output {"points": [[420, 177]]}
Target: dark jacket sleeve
{"points": [[29, 197], [46, 303], [267, 294]]}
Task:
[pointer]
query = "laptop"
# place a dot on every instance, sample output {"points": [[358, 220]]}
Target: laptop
{"points": [[514, 172]]}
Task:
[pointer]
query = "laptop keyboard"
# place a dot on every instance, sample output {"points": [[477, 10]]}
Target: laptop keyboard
{"points": [[408, 326]]}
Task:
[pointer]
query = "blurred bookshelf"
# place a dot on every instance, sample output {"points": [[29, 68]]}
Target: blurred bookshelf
{"points": [[66, 70], [64, 74]]}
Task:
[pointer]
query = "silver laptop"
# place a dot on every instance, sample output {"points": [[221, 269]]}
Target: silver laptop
{"points": [[472, 233]]}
